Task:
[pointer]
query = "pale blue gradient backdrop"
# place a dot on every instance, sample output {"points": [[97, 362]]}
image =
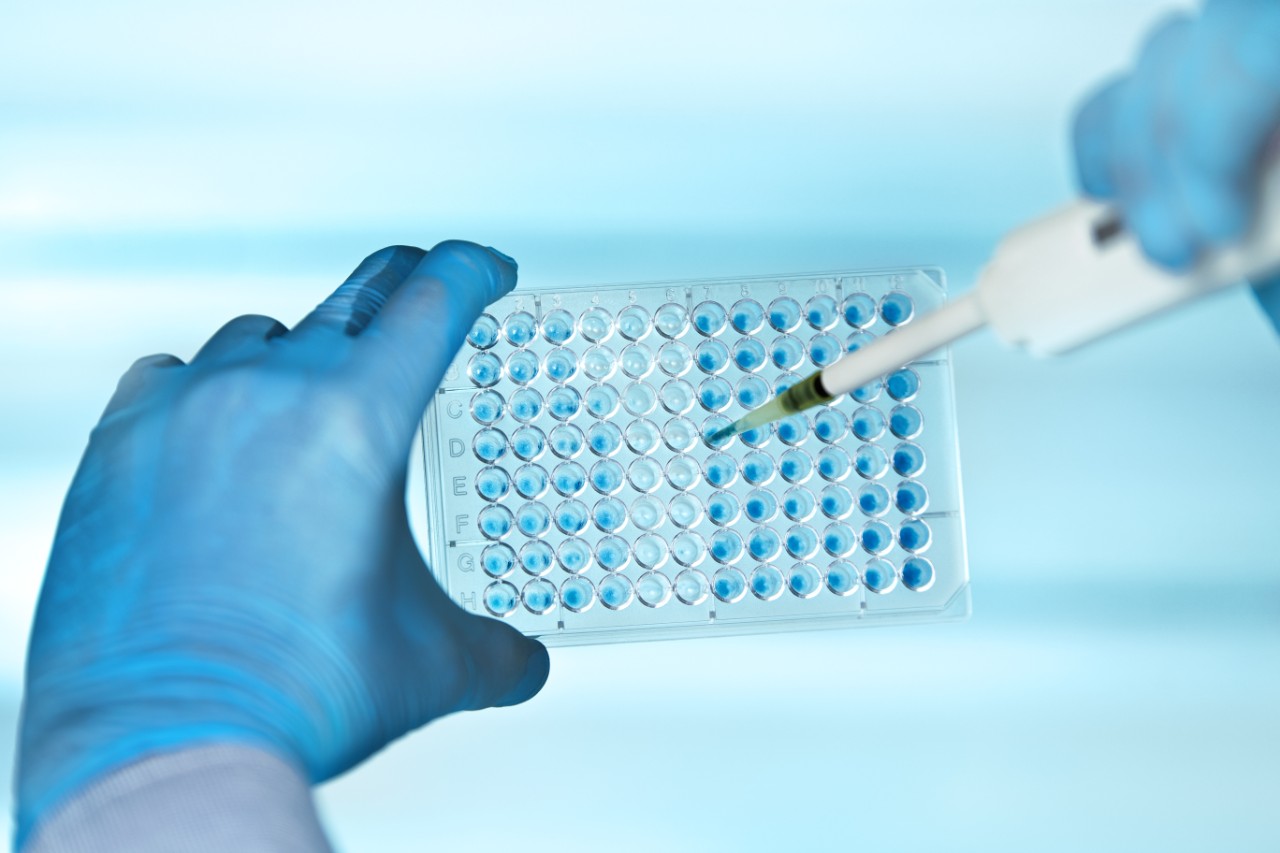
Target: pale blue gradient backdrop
{"points": [[164, 168]]}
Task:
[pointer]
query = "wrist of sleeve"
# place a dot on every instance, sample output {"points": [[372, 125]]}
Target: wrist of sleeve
{"points": [[207, 799]]}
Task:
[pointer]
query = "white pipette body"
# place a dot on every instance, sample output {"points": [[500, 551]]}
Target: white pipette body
{"points": [[1067, 279]]}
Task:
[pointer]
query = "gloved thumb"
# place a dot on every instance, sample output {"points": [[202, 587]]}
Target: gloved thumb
{"points": [[507, 667]]}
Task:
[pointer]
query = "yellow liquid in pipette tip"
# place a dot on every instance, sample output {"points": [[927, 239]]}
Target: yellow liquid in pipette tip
{"points": [[805, 394]]}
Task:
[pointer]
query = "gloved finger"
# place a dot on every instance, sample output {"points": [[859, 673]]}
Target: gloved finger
{"points": [[1144, 168], [1091, 140], [242, 335], [405, 350], [351, 307], [135, 382], [507, 668]]}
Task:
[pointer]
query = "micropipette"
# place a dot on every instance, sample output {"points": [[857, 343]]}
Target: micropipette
{"points": [[1052, 285]]}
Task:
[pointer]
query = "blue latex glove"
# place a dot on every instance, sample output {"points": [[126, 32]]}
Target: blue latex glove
{"points": [[234, 560], [1176, 143]]}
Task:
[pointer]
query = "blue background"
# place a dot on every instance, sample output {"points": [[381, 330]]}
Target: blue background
{"points": [[164, 167]]}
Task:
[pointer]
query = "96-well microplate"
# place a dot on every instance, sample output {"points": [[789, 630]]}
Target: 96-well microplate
{"points": [[572, 491]]}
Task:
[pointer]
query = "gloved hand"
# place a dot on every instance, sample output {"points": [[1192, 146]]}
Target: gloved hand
{"points": [[1176, 143], [234, 560]]}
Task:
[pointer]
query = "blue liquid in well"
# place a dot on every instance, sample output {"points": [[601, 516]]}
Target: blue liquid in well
{"points": [[720, 470], [787, 352], [500, 598], [567, 441], [495, 521], [602, 401], [492, 483], [839, 540], [569, 478], [801, 542], [531, 481], [574, 555], [871, 462], [726, 546], [489, 445], [484, 333], [784, 382], [860, 310], [836, 502], [557, 326], [792, 430], [715, 394], [799, 503], [563, 403], [519, 328], [604, 439], [914, 534], [804, 580], [785, 314], [879, 576], [533, 519], [752, 392], [873, 500], [795, 466], [539, 596], [911, 497], [868, 423], [577, 594], [729, 585], [763, 544], [903, 385], [536, 558], [917, 574], [767, 582], [857, 341], [908, 459], [747, 316], [526, 404], [830, 425], [877, 538], [560, 365], [709, 318], [749, 355], [758, 437], [897, 308], [498, 560], [528, 443], [833, 464], [824, 349], [867, 393], [607, 477], [610, 515], [712, 356], [612, 553], [757, 468], [616, 592], [723, 508], [905, 421], [821, 312], [761, 506], [484, 369], [842, 577], [572, 517], [711, 426], [522, 367]]}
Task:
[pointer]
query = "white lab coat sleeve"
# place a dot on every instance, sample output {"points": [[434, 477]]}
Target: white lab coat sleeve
{"points": [[208, 799]]}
